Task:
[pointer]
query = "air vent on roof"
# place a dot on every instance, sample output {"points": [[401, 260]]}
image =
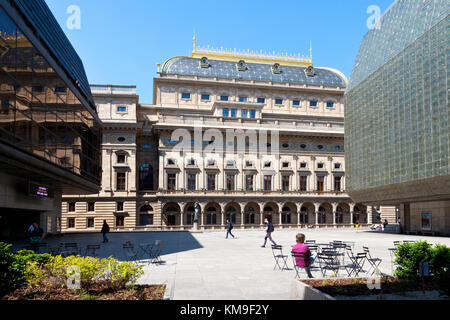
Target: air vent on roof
{"points": [[276, 68], [242, 66], [204, 62], [310, 72]]}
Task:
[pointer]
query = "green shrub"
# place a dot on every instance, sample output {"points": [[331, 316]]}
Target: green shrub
{"points": [[12, 270], [409, 256], [121, 275], [440, 263], [31, 256]]}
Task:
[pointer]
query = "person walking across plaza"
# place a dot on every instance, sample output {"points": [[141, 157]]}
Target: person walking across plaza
{"points": [[270, 229], [36, 236], [308, 258], [105, 230], [229, 228]]}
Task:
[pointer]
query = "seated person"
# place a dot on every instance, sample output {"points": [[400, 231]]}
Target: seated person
{"points": [[308, 259]]}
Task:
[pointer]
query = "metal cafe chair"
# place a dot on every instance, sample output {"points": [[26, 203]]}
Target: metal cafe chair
{"points": [[69, 249], [313, 248], [374, 262], [278, 255], [155, 255], [295, 256], [129, 251], [328, 262], [356, 262], [92, 249], [308, 242]]}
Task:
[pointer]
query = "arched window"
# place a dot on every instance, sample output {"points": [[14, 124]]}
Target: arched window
{"points": [[286, 215], [190, 214], [322, 215], [250, 216], [231, 214], [146, 175], [304, 216], [211, 216], [339, 215]]}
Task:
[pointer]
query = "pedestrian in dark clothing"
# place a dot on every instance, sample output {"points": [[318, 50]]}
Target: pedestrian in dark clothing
{"points": [[229, 228], [105, 230], [36, 236], [270, 229], [385, 224]]}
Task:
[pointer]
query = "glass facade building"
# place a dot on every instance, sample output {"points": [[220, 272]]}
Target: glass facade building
{"points": [[50, 133], [397, 107]]}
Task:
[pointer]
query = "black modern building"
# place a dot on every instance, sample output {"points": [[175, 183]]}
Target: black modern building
{"points": [[50, 133]]}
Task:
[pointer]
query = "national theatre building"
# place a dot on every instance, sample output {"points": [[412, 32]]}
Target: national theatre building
{"points": [[246, 136]]}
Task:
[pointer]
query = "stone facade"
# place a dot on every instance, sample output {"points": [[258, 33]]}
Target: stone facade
{"points": [[196, 144]]}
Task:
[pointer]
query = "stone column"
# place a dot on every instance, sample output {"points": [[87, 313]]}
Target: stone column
{"points": [[261, 222], [369, 215], [351, 217], [223, 217]]}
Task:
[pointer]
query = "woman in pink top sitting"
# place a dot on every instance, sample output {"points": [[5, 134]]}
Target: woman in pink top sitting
{"points": [[308, 260]]}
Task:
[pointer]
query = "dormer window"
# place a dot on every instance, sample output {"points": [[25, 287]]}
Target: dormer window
{"points": [[320, 165], [171, 162], [242, 99], [261, 100], [296, 103], [285, 165], [223, 98], [303, 165], [241, 66], [276, 68], [121, 109], [204, 62], [330, 104], [303, 146], [205, 97], [186, 96], [320, 147], [268, 164], [285, 145], [337, 166], [191, 162], [313, 104], [249, 164], [310, 72]]}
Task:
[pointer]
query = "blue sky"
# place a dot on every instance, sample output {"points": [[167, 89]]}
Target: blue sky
{"points": [[121, 41]]}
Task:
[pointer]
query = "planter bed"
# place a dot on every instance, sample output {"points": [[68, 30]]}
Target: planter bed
{"points": [[99, 292], [391, 288]]}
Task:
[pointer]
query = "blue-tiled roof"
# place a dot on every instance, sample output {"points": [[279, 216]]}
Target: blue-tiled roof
{"points": [[255, 71], [41, 19]]}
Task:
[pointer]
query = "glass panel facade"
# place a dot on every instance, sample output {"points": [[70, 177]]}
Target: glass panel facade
{"points": [[39, 113], [397, 118]]}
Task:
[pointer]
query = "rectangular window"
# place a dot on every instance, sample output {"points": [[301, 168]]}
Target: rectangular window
{"points": [[242, 99], [171, 182], [191, 182], [303, 183], [249, 182], [121, 109], [320, 183], [267, 183], [223, 98], [278, 101], [91, 206], [313, 104], [252, 114], [211, 182], [145, 219], [205, 97], [121, 158], [337, 184], [90, 223], [296, 103], [230, 182], [233, 113], [120, 221], [120, 206], [70, 223], [186, 96], [330, 105], [226, 112], [121, 181], [244, 113], [261, 100], [71, 206], [285, 183]]}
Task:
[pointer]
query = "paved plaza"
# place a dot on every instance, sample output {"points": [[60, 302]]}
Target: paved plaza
{"points": [[202, 266]]}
